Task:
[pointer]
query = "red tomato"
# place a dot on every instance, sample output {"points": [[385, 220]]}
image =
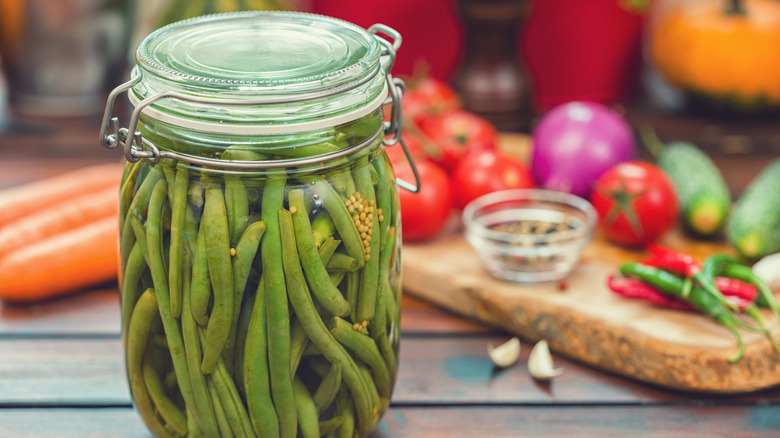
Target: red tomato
{"points": [[427, 96], [636, 203], [424, 214], [482, 172], [396, 153], [456, 133]]}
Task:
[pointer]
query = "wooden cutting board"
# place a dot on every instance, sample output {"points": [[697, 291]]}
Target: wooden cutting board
{"points": [[587, 322]]}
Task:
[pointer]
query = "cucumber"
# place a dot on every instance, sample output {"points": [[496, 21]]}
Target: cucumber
{"points": [[754, 226], [701, 189]]}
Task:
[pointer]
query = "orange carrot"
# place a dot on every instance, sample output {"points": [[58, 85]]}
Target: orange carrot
{"points": [[59, 218], [63, 263], [22, 200]]}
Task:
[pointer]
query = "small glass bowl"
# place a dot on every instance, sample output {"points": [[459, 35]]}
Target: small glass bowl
{"points": [[529, 235]]}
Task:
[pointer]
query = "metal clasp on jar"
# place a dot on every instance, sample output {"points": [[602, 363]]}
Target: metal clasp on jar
{"points": [[136, 147]]}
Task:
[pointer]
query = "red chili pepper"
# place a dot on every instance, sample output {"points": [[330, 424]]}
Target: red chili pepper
{"points": [[731, 287], [631, 287], [670, 260], [738, 293]]}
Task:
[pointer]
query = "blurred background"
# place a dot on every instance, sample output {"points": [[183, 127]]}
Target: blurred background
{"points": [[508, 60]]}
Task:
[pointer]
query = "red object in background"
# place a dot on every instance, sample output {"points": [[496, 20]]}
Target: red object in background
{"points": [[455, 133], [427, 97], [487, 171], [424, 214], [582, 50], [431, 31], [636, 203]]}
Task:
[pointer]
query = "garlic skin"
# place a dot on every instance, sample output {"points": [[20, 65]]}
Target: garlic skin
{"points": [[506, 354], [540, 363]]}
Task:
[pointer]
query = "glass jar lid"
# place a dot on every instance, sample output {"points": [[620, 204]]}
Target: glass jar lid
{"points": [[259, 72]]}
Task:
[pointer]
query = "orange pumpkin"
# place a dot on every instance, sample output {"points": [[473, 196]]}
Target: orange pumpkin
{"points": [[12, 21], [723, 52]]}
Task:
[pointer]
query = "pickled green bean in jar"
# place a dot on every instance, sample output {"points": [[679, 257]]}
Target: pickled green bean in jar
{"points": [[260, 227]]}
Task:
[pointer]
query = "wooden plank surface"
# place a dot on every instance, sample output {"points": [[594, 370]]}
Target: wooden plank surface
{"points": [[589, 323], [93, 312], [452, 422], [62, 372], [433, 370]]}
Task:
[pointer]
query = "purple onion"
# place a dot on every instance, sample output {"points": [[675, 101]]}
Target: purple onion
{"points": [[575, 143]]}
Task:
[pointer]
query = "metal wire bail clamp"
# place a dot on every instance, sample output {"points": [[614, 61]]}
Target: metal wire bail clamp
{"points": [[136, 147]]}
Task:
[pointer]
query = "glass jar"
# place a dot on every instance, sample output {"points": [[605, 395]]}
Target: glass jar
{"points": [[260, 226]]}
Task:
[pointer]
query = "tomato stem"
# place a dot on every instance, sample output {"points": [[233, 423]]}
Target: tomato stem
{"points": [[735, 8]]}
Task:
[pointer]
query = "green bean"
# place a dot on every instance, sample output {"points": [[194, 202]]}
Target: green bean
{"points": [[190, 234], [140, 236], [353, 292], [202, 404], [226, 399], [171, 414], [369, 277], [195, 193], [126, 242], [307, 412], [193, 429], [312, 324], [237, 204], [138, 209], [154, 237], [346, 408], [341, 262], [364, 348], [379, 332], [179, 208], [327, 294], [244, 318], [231, 401], [342, 182], [312, 150], [336, 278], [326, 251], [327, 248], [277, 308], [322, 228], [223, 423], [331, 425], [170, 176], [245, 252], [379, 324], [298, 343], [136, 265], [200, 293], [370, 383], [256, 383], [221, 274], [344, 223], [384, 195], [328, 389], [143, 316], [141, 199], [392, 306], [129, 178]]}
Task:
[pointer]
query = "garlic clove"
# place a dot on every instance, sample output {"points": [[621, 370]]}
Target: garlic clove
{"points": [[768, 268], [540, 363], [505, 354]]}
